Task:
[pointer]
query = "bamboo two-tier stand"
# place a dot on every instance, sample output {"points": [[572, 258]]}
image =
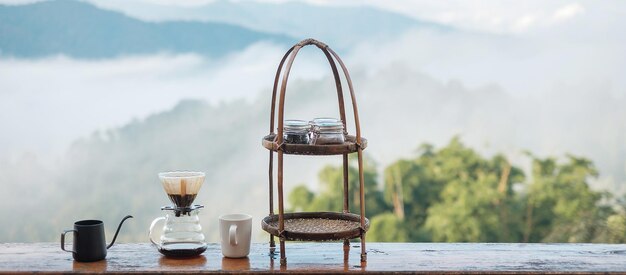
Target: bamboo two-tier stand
{"points": [[314, 226]]}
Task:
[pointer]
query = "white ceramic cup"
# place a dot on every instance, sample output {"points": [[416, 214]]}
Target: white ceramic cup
{"points": [[235, 234]]}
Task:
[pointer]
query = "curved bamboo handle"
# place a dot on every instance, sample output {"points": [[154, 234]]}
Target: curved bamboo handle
{"points": [[352, 96], [311, 41], [329, 53]]}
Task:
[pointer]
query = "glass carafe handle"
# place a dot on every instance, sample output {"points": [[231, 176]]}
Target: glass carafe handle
{"points": [[154, 222]]}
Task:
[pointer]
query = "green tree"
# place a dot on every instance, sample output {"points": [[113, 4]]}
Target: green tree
{"points": [[477, 199], [387, 227], [454, 194], [615, 231], [411, 187], [330, 197], [300, 197], [560, 205]]}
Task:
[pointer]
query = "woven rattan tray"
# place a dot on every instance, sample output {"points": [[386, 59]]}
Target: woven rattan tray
{"points": [[316, 226], [347, 147]]}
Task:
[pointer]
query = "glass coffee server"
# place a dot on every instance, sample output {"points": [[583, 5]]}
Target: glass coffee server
{"points": [[314, 226]]}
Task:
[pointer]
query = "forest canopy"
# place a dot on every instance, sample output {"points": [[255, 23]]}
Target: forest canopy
{"points": [[453, 194]]}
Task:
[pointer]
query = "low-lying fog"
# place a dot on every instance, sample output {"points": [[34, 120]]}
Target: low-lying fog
{"points": [[549, 94]]}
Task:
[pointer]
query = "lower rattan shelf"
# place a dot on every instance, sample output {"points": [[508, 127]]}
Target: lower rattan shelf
{"points": [[316, 226]]}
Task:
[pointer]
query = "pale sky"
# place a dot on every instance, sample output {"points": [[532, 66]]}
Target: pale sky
{"points": [[558, 60], [493, 16]]}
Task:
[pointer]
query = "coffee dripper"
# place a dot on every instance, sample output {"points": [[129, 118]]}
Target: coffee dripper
{"points": [[182, 233]]}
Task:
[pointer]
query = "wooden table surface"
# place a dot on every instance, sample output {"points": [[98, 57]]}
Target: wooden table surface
{"points": [[329, 258]]}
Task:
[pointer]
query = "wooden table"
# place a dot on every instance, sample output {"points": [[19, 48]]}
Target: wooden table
{"points": [[329, 258]]}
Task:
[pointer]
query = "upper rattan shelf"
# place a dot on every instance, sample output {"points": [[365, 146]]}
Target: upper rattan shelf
{"points": [[347, 147]]}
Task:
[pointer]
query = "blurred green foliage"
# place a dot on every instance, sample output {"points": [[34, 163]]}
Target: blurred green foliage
{"points": [[453, 194]]}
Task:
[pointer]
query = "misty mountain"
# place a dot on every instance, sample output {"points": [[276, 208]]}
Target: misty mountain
{"points": [[82, 30], [340, 26], [114, 172]]}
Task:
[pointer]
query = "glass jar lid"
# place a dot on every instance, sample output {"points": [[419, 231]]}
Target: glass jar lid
{"points": [[296, 125], [327, 124]]}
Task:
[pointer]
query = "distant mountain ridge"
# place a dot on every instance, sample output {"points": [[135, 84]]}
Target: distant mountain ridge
{"points": [[81, 30], [340, 26]]}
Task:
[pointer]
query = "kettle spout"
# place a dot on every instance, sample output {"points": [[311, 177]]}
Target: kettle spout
{"points": [[118, 230]]}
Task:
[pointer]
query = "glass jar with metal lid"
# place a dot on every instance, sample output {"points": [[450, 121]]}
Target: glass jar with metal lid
{"points": [[327, 131], [296, 131]]}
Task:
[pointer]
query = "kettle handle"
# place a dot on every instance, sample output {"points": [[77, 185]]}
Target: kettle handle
{"points": [[118, 230], [152, 225]]}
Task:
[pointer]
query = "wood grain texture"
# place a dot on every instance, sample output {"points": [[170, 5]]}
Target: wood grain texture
{"points": [[329, 258]]}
